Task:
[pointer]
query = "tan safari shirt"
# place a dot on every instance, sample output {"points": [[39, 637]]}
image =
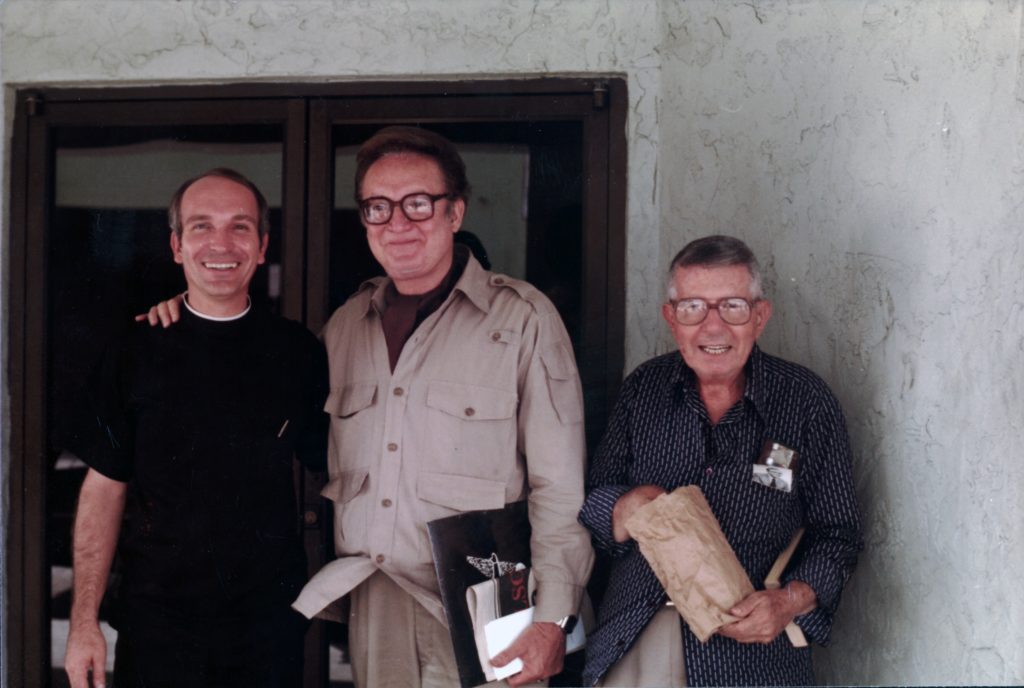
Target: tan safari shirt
{"points": [[484, 408]]}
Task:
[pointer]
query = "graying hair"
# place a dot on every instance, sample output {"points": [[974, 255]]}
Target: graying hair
{"points": [[716, 251]]}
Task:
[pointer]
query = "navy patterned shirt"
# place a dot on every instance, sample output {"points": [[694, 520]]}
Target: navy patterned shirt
{"points": [[660, 434]]}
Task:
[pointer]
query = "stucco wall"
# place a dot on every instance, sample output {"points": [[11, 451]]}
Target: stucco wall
{"points": [[870, 152]]}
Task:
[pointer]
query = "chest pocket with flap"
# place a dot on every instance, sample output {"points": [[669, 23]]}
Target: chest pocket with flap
{"points": [[354, 431], [472, 430]]}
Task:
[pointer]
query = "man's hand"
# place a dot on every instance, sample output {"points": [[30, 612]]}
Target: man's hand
{"points": [[542, 649], [765, 613], [87, 651], [165, 313], [627, 504]]}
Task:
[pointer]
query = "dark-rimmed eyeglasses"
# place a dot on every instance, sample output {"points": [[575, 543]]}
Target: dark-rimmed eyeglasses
{"points": [[734, 310], [416, 206]]}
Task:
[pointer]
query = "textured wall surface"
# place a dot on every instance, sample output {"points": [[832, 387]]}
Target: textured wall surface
{"points": [[872, 153]]}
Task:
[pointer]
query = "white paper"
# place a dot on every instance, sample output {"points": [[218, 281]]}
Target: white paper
{"points": [[480, 599], [501, 633]]}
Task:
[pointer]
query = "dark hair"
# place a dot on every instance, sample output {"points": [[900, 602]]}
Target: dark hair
{"points": [[404, 139], [174, 209], [717, 250]]}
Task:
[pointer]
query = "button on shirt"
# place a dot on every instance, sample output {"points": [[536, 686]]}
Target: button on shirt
{"points": [[660, 434], [483, 408]]}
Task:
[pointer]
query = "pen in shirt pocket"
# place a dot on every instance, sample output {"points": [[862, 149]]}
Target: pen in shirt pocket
{"points": [[280, 433]]}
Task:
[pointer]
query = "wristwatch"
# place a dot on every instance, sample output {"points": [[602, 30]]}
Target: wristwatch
{"points": [[567, 623]]}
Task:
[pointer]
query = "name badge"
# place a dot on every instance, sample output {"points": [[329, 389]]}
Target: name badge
{"points": [[775, 466]]}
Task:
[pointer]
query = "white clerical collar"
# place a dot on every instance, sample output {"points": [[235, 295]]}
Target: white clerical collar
{"points": [[217, 318]]}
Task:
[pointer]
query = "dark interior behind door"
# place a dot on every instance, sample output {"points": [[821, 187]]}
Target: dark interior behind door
{"points": [[81, 266]]}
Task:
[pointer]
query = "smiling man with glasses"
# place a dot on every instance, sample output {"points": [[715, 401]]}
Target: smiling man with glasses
{"points": [[453, 389], [765, 441]]}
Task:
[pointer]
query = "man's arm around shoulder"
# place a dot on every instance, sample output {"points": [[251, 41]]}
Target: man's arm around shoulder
{"points": [[165, 313], [97, 524]]}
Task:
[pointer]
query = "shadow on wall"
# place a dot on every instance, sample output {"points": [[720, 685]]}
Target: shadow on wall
{"points": [[850, 336]]}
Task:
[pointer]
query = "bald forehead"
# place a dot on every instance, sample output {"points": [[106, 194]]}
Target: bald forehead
{"points": [[220, 200]]}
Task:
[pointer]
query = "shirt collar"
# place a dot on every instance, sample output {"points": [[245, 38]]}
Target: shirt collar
{"points": [[473, 283], [218, 318], [754, 386]]}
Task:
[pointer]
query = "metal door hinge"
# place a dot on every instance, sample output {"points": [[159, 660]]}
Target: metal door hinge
{"points": [[34, 104]]}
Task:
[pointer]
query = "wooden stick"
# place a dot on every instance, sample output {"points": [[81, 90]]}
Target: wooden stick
{"points": [[772, 582]]}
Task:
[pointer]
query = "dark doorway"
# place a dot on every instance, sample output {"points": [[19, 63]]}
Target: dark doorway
{"points": [[93, 170]]}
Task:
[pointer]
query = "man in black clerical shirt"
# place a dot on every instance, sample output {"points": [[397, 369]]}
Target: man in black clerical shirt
{"points": [[190, 475]]}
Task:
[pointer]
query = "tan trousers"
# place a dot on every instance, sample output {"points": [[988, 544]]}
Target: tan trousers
{"points": [[656, 660], [396, 643]]}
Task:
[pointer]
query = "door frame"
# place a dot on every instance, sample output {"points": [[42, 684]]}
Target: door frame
{"points": [[305, 110]]}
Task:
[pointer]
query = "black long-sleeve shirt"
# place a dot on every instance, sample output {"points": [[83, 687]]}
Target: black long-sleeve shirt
{"points": [[202, 420]]}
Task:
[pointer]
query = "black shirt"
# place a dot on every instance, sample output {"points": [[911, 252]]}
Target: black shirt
{"points": [[202, 419]]}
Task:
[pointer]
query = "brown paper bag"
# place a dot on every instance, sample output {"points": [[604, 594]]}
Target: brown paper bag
{"points": [[681, 539]]}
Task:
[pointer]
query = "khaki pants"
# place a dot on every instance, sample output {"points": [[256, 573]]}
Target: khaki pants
{"points": [[395, 642], [655, 660]]}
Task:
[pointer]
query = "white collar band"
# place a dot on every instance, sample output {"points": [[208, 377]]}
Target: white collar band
{"points": [[217, 318]]}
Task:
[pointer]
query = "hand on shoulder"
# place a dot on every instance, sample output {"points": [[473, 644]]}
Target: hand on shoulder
{"points": [[165, 313]]}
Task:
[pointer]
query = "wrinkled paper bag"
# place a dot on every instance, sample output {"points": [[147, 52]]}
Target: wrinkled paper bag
{"points": [[680, 537]]}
